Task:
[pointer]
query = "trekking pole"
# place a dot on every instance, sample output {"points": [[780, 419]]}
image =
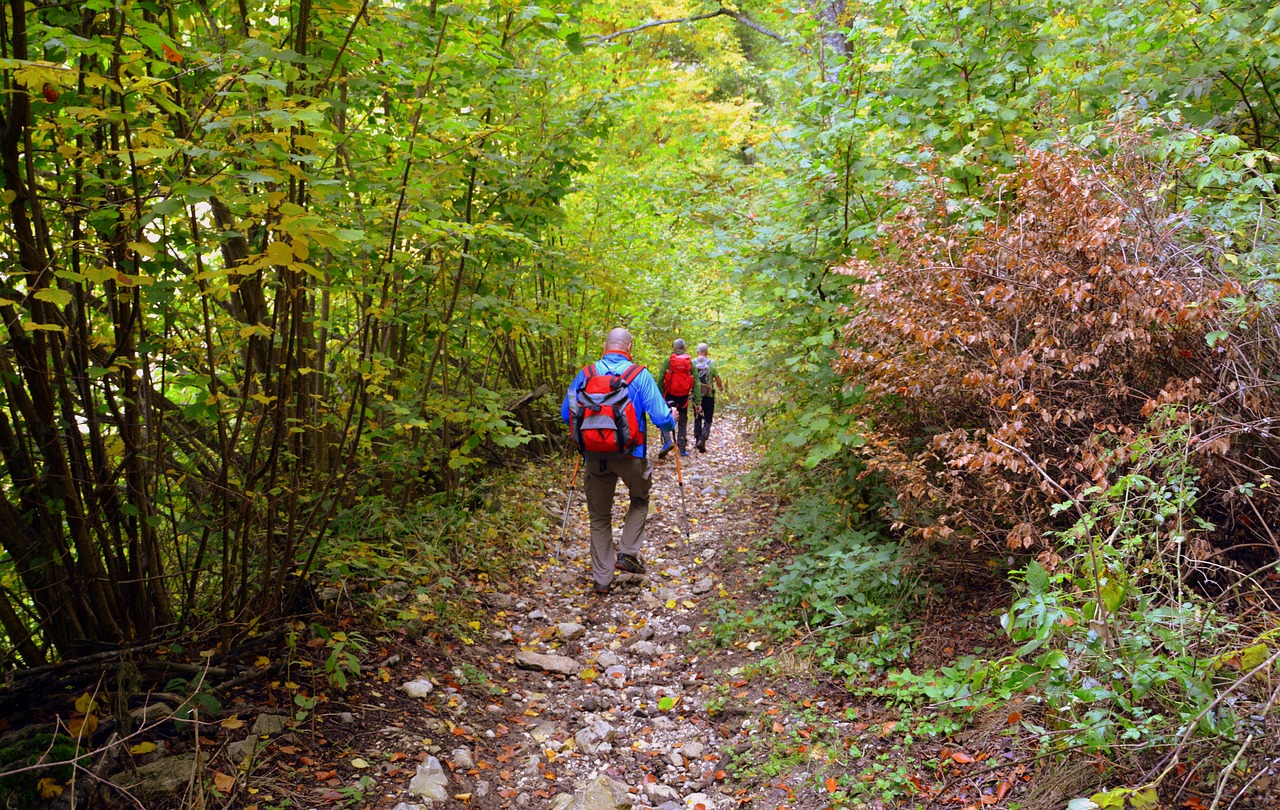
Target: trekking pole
{"points": [[568, 502], [684, 504]]}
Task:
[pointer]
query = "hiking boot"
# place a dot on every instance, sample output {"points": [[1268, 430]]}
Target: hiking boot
{"points": [[628, 563], [601, 590], [684, 453], [702, 446], [666, 448]]}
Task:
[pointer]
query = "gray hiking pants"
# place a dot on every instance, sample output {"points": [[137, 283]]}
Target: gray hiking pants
{"points": [[601, 482]]}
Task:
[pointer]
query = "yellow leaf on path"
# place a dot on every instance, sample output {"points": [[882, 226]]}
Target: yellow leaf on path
{"points": [[85, 703], [262, 661], [474, 625], [48, 788], [78, 726], [232, 723], [142, 748], [671, 604], [359, 762]]}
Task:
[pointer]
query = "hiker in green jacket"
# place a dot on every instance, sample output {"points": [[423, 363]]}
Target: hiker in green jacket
{"points": [[679, 385], [709, 380]]}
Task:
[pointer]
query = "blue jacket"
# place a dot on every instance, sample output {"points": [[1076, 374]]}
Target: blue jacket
{"points": [[644, 394]]}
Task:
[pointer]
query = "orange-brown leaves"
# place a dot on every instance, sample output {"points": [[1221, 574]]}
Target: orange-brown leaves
{"points": [[1008, 364]]}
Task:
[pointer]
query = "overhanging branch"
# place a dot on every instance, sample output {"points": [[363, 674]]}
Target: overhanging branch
{"points": [[736, 16]]}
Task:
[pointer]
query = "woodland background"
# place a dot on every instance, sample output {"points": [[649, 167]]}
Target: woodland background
{"points": [[290, 290]]}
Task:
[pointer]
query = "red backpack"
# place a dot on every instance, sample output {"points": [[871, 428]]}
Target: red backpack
{"points": [[678, 381], [602, 417]]}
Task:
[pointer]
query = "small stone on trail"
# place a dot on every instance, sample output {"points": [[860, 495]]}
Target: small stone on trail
{"points": [[151, 713], [545, 730], [646, 649], [535, 615], [659, 793], [242, 750], [430, 781], [703, 585], [571, 631], [160, 779], [617, 672], [462, 759], [346, 718], [608, 658], [419, 688], [695, 799], [675, 759], [692, 749], [270, 724], [558, 664], [628, 579], [684, 629], [407, 806], [591, 736], [602, 794]]}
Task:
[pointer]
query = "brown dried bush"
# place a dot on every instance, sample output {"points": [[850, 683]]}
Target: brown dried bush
{"points": [[1009, 365]]}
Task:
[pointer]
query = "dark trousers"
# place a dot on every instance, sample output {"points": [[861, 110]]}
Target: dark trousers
{"points": [[702, 423], [681, 404]]}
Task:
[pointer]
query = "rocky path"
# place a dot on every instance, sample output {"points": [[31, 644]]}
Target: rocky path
{"points": [[624, 700]]}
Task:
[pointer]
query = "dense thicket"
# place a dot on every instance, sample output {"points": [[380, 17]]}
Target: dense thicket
{"points": [[254, 255]]}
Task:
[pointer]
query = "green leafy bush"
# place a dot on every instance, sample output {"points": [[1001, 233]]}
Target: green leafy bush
{"points": [[849, 585]]}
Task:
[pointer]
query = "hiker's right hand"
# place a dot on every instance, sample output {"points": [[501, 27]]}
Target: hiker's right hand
{"points": [[674, 412]]}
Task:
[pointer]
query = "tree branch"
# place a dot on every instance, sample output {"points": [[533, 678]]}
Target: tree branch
{"points": [[655, 23], [737, 17]]}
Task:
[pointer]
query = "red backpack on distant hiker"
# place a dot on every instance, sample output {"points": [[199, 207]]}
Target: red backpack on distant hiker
{"points": [[678, 381], [602, 418]]}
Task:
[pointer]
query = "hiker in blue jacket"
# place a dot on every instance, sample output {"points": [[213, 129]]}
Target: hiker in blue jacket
{"points": [[602, 475]]}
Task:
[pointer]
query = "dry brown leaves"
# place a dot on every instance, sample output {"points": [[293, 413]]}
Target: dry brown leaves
{"points": [[1007, 366]]}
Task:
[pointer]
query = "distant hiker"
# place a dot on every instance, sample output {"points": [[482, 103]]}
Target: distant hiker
{"points": [[605, 409], [678, 384], [709, 380]]}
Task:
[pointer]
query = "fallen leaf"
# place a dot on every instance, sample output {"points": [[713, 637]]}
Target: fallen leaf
{"points": [[832, 784], [142, 748], [359, 762], [961, 757], [48, 788], [79, 726], [232, 723], [1014, 717], [223, 782]]}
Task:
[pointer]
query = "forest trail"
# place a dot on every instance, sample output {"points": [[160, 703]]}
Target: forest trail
{"points": [[662, 694]]}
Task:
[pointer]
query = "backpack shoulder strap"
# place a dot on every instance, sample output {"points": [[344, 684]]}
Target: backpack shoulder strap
{"points": [[631, 373], [588, 371]]}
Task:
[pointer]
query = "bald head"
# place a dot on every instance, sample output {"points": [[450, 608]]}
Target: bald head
{"points": [[703, 349], [678, 345], [618, 339]]}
